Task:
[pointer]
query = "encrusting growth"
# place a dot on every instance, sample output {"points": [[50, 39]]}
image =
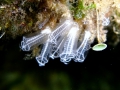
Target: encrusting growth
{"points": [[62, 29], [67, 40], [61, 42]]}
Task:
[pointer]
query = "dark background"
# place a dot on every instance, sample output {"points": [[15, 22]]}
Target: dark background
{"points": [[100, 71]]}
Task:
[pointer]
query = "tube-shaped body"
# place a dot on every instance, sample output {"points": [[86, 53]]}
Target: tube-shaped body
{"points": [[60, 30], [70, 44], [84, 46], [29, 42], [57, 49], [42, 59]]}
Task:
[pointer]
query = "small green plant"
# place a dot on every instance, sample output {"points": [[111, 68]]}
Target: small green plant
{"points": [[79, 9]]}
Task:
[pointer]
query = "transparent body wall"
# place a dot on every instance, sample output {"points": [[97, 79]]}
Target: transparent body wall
{"points": [[72, 36]]}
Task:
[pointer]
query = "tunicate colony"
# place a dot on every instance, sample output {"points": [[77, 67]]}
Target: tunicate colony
{"points": [[63, 43]]}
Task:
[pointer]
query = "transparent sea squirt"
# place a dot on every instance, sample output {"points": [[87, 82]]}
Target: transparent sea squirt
{"points": [[84, 46], [42, 59], [58, 49], [60, 30], [28, 43], [70, 45]]}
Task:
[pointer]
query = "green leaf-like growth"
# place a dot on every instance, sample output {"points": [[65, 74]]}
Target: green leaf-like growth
{"points": [[80, 5], [99, 47], [91, 6], [78, 14], [79, 9]]}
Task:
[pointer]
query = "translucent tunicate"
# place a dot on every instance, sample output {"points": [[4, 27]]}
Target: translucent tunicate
{"points": [[105, 21], [70, 45], [61, 30], [29, 42], [42, 59], [57, 49], [83, 48]]}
